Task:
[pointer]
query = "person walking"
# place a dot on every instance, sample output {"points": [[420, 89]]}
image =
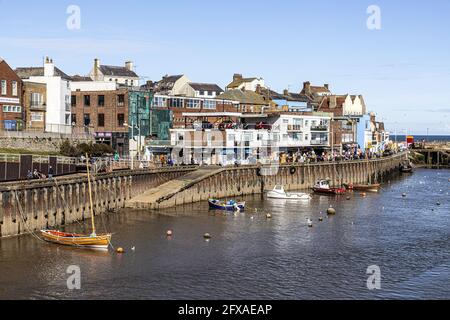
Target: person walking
{"points": [[51, 172]]}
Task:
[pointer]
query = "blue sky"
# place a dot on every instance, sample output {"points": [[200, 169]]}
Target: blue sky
{"points": [[403, 70]]}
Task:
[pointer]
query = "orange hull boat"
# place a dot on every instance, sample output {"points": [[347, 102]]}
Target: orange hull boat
{"points": [[77, 240]]}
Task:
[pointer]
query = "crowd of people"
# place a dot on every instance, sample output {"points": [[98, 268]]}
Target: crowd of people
{"points": [[37, 175]]}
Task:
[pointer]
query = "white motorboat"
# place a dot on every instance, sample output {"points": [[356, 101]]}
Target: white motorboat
{"points": [[279, 193]]}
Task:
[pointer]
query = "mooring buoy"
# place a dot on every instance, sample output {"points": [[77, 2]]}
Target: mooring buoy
{"points": [[169, 233], [207, 236], [120, 250], [331, 211]]}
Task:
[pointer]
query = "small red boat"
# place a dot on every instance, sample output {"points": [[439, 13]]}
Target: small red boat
{"points": [[323, 186]]}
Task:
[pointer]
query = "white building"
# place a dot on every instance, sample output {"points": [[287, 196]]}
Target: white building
{"points": [[123, 75], [248, 84], [58, 109], [172, 85], [354, 105], [254, 137], [201, 90]]}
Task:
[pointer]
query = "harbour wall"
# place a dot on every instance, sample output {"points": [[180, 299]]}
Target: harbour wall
{"points": [[30, 207], [241, 181]]}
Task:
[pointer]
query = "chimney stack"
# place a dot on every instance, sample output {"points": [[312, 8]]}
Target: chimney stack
{"points": [[333, 102], [307, 87], [49, 68], [237, 76], [327, 86], [286, 92], [129, 65]]}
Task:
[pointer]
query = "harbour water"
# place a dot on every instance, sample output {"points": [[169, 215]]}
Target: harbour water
{"points": [[252, 257]]}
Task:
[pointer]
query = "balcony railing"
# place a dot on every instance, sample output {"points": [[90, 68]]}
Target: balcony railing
{"points": [[296, 128], [319, 128], [37, 105], [319, 142]]}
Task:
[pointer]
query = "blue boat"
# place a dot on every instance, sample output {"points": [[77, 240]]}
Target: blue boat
{"points": [[226, 206]]}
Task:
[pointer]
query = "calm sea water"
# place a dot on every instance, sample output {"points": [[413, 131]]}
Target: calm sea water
{"points": [[250, 257], [419, 138]]}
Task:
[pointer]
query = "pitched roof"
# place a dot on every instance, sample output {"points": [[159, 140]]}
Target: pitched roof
{"points": [[78, 78], [282, 96], [237, 82], [117, 71], [166, 84], [244, 97], [206, 87], [26, 73], [320, 89]]}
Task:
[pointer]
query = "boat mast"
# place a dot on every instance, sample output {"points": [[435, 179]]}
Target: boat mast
{"points": [[90, 195]]}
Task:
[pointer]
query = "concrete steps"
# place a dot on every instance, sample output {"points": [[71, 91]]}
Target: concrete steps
{"points": [[153, 197]]}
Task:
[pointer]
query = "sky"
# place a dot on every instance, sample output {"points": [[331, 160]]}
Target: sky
{"points": [[402, 68]]}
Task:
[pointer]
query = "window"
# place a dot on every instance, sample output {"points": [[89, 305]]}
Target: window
{"points": [[159, 102], [87, 119], [101, 101], [276, 137], [193, 104], [67, 99], [87, 101], [101, 120], [175, 103], [121, 119], [132, 82], [12, 109], [121, 100], [14, 88], [248, 137], [73, 101], [210, 93], [3, 84], [306, 124], [209, 104], [36, 99], [74, 119], [37, 117], [285, 121]]}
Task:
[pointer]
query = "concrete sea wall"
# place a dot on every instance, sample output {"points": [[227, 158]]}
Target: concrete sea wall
{"points": [[27, 207], [236, 182]]}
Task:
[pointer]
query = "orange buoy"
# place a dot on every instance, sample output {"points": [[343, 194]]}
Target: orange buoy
{"points": [[120, 250]]}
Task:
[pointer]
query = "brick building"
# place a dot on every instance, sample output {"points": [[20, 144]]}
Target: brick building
{"points": [[11, 109], [104, 112], [35, 105]]}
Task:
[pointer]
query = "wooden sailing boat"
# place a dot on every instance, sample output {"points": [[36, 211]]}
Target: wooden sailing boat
{"points": [[92, 241]]}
